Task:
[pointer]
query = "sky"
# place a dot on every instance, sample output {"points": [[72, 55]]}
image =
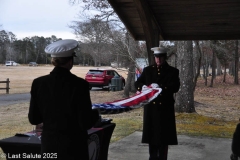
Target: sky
{"points": [[27, 18]]}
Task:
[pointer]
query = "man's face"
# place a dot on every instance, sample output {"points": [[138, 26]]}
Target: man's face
{"points": [[159, 60]]}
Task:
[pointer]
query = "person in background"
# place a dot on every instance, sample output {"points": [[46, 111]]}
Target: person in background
{"points": [[61, 102], [236, 143], [137, 73], [159, 126]]}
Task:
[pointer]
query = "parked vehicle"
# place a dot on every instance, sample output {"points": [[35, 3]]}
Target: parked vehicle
{"points": [[11, 63], [102, 77], [32, 64]]}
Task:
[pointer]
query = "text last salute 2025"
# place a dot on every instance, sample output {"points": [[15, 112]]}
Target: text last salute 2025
{"points": [[31, 156]]}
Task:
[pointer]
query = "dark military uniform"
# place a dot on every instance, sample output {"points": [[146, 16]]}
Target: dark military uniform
{"points": [[61, 101], [236, 143], [159, 126]]}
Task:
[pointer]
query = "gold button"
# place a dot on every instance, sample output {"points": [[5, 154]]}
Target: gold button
{"points": [[158, 73], [158, 69], [138, 88], [153, 102], [160, 103]]}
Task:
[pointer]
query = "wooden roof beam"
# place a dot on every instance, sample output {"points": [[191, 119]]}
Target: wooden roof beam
{"points": [[116, 8], [150, 27], [148, 20]]}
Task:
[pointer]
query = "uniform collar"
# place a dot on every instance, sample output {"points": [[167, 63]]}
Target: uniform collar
{"points": [[60, 70]]}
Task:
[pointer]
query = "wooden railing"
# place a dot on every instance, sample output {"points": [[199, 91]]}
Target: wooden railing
{"points": [[7, 85]]}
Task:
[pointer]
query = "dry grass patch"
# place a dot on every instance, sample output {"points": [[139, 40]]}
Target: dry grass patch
{"points": [[199, 125], [14, 120]]}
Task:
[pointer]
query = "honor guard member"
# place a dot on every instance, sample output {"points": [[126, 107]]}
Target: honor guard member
{"points": [[159, 126], [236, 143], [61, 102]]}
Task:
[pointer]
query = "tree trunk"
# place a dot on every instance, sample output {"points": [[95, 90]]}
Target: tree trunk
{"points": [[225, 72], [37, 56], [95, 62], [236, 63], [206, 75], [219, 70], [185, 96], [129, 87], [204, 70], [213, 64], [231, 69], [205, 67], [198, 65]]}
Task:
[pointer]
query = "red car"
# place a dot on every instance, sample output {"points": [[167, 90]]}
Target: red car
{"points": [[102, 77]]}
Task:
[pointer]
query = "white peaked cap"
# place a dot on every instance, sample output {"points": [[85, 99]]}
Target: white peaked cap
{"points": [[62, 48], [159, 50]]}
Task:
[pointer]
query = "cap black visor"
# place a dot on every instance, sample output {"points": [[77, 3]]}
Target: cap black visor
{"points": [[160, 55]]}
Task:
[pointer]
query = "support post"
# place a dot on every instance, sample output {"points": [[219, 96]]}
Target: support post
{"points": [[7, 86]]}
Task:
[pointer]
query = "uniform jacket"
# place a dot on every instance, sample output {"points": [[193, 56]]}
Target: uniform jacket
{"points": [[61, 101], [159, 126], [236, 141]]}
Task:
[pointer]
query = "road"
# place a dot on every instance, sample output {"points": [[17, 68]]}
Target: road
{"points": [[8, 99]]}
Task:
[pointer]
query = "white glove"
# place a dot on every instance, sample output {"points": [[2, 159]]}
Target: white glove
{"points": [[154, 85], [144, 87], [138, 92]]}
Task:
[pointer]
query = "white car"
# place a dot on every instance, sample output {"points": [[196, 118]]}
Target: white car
{"points": [[11, 63]]}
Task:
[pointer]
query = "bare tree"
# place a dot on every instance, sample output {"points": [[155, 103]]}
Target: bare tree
{"points": [[224, 52], [236, 59], [197, 64], [4, 45], [185, 96], [123, 48], [104, 9], [130, 50], [213, 46], [206, 54], [95, 33]]}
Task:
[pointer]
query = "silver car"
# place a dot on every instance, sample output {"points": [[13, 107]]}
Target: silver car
{"points": [[11, 63]]}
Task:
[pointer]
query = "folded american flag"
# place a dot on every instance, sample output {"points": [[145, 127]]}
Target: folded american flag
{"points": [[135, 101]]}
